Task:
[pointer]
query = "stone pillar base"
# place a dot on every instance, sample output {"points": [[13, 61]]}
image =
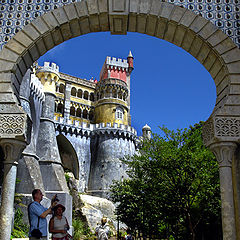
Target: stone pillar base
{"points": [[29, 174]]}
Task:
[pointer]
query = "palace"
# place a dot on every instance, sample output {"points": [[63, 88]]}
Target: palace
{"points": [[78, 125]]}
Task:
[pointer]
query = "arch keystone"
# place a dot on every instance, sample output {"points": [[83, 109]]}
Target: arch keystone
{"points": [[118, 13]]}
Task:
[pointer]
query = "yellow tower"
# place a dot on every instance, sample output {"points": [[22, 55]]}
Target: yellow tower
{"points": [[112, 92], [49, 76]]}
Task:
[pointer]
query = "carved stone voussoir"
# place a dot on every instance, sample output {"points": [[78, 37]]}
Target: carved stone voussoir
{"points": [[15, 126], [217, 129], [118, 11]]}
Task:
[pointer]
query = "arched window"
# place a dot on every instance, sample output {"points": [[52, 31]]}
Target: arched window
{"points": [[60, 108], [98, 96], [107, 93], [55, 107], [91, 115], [92, 97], [79, 113], [85, 95], [61, 88], [73, 91], [79, 93], [101, 95], [119, 113], [120, 95], [85, 114], [72, 111], [114, 93]]}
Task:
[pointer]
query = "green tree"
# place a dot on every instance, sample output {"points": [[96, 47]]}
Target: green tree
{"points": [[173, 189]]}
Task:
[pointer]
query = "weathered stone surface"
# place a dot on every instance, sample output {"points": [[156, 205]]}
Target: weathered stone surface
{"points": [[60, 15], [225, 46], [208, 30], [209, 61], [66, 31], [81, 9], [217, 37], [187, 40], [187, 18], [40, 25], [203, 53], [95, 208], [216, 68], [231, 56], [141, 23], [166, 10], [8, 55], [31, 31], [151, 25], [198, 23], [6, 66], [34, 53], [71, 11], [15, 47], [179, 35], [50, 20], [196, 46], [169, 34], [22, 38], [177, 14]]}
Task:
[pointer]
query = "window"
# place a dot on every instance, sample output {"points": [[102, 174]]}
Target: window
{"points": [[72, 111], [73, 91], [85, 114], [79, 94], [119, 113], [79, 113], [85, 96], [91, 115], [60, 108], [92, 97], [61, 88]]}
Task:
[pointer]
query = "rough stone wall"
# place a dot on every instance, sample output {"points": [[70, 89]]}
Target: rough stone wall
{"points": [[107, 150], [81, 145]]}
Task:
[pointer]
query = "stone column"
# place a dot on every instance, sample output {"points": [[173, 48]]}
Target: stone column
{"points": [[224, 152], [67, 101], [12, 150], [47, 148]]}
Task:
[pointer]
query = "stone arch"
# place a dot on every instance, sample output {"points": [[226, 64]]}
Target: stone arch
{"points": [[180, 26], [208, 44], [68, 155]]}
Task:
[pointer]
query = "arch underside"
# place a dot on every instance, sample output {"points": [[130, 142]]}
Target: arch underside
{"points": [[182, 27], [68, 155]]}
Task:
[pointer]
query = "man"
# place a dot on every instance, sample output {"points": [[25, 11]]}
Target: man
{"points": [[103, 230], [37, 214]]}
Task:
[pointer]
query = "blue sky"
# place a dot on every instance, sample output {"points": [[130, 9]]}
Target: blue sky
{"points": [[168, 86]]}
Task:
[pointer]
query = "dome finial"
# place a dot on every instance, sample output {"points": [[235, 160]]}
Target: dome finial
{"points": [[130, 54]]}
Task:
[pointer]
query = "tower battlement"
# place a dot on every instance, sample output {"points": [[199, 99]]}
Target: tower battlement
{"points": [[114, 62], [49, 67], [76, 126], [116, 68]]}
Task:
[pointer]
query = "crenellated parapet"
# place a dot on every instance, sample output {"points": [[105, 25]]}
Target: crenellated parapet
{"points": [[49, 76], [49, 68], [84, 129]]}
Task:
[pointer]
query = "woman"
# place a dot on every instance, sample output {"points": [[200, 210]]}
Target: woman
{"points": [[58, 224]]}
